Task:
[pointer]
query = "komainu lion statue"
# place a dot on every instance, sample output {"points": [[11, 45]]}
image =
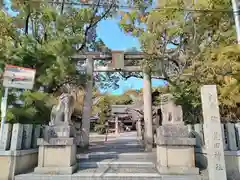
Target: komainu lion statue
{"points": [[62, 112]]}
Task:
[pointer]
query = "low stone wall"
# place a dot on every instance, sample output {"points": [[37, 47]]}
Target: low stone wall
{"points": [[18, 150], [231, 136], [17, 162]]}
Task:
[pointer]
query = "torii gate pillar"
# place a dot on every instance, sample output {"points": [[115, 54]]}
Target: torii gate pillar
{"points": [[87, 104], [147, 109]]}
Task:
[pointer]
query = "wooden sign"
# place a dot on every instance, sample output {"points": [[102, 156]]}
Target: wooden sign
{"points": [[118, 59]]}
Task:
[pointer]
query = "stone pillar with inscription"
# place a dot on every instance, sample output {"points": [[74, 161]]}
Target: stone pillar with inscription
{"points": [[175, 149], [57, 150], [213, 133]]}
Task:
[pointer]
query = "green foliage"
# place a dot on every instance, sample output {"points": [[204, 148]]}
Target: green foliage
{"points": [[29, 107], [202, 35], [222, 68], [100, 128], [104, 110], [43, 36], [123, 99]]}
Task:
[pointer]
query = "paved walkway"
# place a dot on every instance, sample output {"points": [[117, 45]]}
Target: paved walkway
{"points": [[125, 145]]}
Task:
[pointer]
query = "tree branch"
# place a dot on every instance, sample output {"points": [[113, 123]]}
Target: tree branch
{"points": [[92, 23], [27, 23], [141, 77], [62, 6], [55, 89]]}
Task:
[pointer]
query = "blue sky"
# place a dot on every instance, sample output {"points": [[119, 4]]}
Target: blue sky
{"points": [[115, 39]]}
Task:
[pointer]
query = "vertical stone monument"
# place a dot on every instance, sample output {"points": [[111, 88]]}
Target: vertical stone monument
{"points": [[175, 149], [57, 150], [213, 133]]}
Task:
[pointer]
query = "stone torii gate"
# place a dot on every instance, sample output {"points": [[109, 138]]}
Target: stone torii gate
{"points": [[118, 59]]}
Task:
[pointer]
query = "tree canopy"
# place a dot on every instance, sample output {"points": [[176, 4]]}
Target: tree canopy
{"points": [[192, 44], [187, 43], [43, 35]]}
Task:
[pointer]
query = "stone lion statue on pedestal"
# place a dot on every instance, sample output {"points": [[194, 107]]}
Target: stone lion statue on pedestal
{"points": [[62, 112]]}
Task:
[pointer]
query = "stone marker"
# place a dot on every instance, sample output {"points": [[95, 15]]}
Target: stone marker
{"points": [[225, 146], [213, 133], [6, 140], [17, 133], [27, 136], [232, 142], [36, 135], [238, 134]]}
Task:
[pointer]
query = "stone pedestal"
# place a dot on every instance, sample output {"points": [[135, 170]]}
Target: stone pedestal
{"points": [[57, 152], [58, 131], [175, 150]]}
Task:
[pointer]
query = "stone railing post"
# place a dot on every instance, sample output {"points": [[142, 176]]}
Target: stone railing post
{"points": [[17, 136], [27, 136], [6, 140]]}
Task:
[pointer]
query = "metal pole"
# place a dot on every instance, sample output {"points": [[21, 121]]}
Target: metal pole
{"points": [[3, 111], [236, 13]]}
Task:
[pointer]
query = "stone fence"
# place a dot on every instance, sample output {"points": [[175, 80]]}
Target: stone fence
{"points": [[231, 138], [18, 150], [230, 131]]}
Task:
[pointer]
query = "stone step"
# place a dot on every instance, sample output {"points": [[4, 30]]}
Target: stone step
{"points": [[115, 155], [106, 176], [115, 144], [115, 164], [109, 173]]}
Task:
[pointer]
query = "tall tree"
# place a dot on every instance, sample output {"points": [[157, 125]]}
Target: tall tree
{"points": [[44, 37], [178, 37]]}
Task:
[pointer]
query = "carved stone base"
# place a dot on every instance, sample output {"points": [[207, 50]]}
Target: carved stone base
{"points": [[58, 156], [175, 151], [59, 131]]}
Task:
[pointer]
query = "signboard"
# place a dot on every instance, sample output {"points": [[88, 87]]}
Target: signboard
{"points": [[4, 107], [18, 77], [118, 59]]}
